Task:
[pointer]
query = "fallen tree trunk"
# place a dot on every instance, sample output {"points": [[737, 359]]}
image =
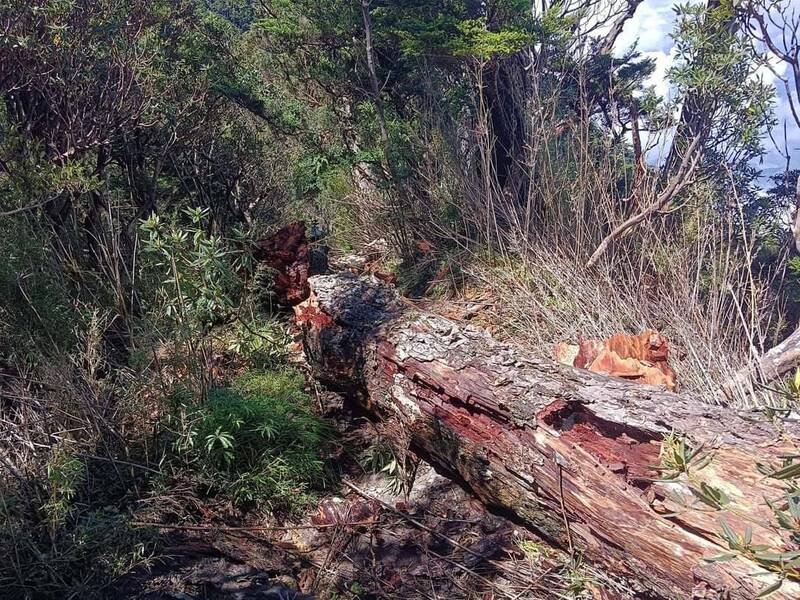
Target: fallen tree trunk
{"points": [[772, 365], [570, 453]]}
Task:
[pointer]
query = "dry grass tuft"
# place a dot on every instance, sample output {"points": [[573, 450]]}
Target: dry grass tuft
{"points": [[546, 296]]}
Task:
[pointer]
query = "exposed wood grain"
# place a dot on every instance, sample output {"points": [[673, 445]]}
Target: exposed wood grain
{"points": [[531, 436]]}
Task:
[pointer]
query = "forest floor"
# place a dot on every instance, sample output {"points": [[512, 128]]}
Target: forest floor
{"points": [[366, 538]]}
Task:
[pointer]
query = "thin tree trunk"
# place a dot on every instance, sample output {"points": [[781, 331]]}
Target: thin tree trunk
{"points": [[373, 76], [399, 206]]}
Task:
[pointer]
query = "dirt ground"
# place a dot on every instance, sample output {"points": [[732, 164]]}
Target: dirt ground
{"points": [[367, 539]]}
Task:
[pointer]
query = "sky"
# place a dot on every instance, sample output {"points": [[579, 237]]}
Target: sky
{"points": [[650, 30]]}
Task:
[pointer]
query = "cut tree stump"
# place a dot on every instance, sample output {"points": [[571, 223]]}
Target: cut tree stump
{"points": [[569, 453]]}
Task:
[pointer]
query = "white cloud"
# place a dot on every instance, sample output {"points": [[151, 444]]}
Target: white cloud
{"points": [[770, 73], [649, 28], [658, 79], [649, 32]]}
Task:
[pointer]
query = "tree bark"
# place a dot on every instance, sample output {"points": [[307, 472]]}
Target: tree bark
{"points": [[607, 44], [373, 77], [770, 366], [569, 453]]}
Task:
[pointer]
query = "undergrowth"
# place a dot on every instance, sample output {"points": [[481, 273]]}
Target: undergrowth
{"points": [[64, 538], [92, 459], [257, 441]]}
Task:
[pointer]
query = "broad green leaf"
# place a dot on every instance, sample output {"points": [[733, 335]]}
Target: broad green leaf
{"points": [[728, 533], [721, 558]]}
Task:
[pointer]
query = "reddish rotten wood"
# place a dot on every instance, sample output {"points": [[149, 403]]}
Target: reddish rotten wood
{"points": [[287, 254], [531, 436]]}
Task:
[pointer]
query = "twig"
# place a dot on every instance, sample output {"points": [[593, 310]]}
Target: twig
{"points": [[255, 528], [461, 567], [416, 523], [564, 509], [491, 584], [117, 460], [681, 179], [22, 209]]}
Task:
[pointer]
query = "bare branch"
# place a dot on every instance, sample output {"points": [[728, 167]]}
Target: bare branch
{"points": [[682, 178], [24, 209], [607, 45]]}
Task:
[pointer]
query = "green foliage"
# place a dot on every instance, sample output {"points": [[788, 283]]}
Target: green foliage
{"points": [[79, 561], [195, 280], [787, 397], [238, 12], [64, 473], [257, 441], [41, 309], [478, 41], [783, 564], [460, 29], [262, 343], [715, 66], [677, 457], [72, 544], [380, 457], [207, 119], [39, 313], [576, 580], [710, 496], [779, 565], [787, 508], [198, 271], [534, 551]]}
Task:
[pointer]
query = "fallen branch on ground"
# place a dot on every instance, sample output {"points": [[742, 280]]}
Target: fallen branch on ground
{"points": [[772, 365]]}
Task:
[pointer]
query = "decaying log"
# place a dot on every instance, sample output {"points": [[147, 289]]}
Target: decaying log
{"points": [[290, 259], [570, 453]]}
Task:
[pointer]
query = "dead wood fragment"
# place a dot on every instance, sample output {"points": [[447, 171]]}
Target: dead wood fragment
{"points": [[290, 260], [642, 358], [777, 362]]}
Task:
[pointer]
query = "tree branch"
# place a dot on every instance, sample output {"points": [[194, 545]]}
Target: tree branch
{"points": [[607, 45], [678, 182]]}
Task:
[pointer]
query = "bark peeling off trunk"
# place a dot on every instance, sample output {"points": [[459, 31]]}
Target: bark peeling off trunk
{"points": [[553, 444]]}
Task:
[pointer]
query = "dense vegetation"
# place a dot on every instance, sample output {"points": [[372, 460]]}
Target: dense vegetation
{"points": [[145, 145]]}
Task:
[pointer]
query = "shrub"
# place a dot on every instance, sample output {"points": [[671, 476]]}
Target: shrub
{"points": [[261, 343], [67, 544], [258, 440]]}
